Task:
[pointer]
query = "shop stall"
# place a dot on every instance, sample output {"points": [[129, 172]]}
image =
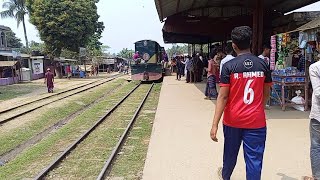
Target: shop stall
{"points": [[291, 55]]}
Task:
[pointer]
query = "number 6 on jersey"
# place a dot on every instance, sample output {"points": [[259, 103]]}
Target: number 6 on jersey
{"points": [[248, 92]]}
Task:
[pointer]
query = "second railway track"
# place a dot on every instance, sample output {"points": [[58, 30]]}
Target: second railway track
{"points": [[96, 128], [10, 114]]}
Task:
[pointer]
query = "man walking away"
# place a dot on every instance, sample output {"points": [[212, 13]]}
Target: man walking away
{"points": [[49, 79], [245, 88], [229, 57], [314, 72]]}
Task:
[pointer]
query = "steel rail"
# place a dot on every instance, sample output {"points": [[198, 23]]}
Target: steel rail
{"points": [[47, 97], [115, 151], [64, 97], [6, 157], [82, 137]]}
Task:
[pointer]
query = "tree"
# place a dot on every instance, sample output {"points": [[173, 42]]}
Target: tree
{"points": [[65, 24], [16, 9], [126, 53], [34, 46], [12, 40], [177, 50]]}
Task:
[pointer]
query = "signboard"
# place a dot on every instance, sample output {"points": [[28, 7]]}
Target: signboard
{"points": [[82, 52], [108, 61], [37, 66], [273, 52]]}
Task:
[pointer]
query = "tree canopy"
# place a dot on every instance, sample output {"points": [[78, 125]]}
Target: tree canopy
{"points": [[12, 40], [16, 9], [66, 24], [126, 53], [177, 50]]}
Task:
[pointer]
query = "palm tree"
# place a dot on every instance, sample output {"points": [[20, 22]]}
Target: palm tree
{"points": [[16, 9]]}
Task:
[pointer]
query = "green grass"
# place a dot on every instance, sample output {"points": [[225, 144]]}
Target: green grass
{"points": [[13, 138], [29, 163], [87, 160], [130, 163], [16, 90]]}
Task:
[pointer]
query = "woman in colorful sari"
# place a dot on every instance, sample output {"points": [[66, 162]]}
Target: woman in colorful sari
{"points": [[211, 89]]}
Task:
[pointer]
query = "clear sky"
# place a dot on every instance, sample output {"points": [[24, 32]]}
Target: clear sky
{"points": [[126, 21]]}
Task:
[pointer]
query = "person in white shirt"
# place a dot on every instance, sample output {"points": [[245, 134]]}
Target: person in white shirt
{"points": [[265, 56], [229, 51], [266, 53], [314, 72]]}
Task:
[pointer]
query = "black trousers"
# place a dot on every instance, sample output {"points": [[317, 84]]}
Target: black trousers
{"points": [[188, 76]]}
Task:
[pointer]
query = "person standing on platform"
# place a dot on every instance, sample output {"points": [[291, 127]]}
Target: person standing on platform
{"points": [[217, 61], [245, 88], [229, 57], [192, 68], [200, 68], [188, 69], [49, 80], [211, 89], [179, 67], [266, 54], [314, 72], [196, 68]]}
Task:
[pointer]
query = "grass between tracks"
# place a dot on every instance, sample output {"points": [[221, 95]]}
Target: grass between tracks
{"points": [[87, 160], [13, 91], [12, 139], [130, 162], [29, 163]]}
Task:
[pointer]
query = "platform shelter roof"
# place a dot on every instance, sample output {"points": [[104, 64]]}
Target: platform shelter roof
{"points": [[204, 21], [222, 8]]}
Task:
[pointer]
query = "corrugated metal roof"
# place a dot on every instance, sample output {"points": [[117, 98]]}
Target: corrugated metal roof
{"points": [[226, 8], [311, 25], [7, 63]]}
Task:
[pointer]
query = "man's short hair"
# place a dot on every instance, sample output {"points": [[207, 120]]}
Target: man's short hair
{"points": [[266, 46], [229, 48], [242, 36]]}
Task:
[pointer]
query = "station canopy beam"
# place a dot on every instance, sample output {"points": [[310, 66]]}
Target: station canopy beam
{"points": [[206, 21], [167, 8]]}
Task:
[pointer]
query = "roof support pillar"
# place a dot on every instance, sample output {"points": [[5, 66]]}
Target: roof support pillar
{"points": [[257, 27]]}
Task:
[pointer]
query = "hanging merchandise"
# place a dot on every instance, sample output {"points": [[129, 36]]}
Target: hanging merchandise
{"points": [[299, 101], [273, 52]]}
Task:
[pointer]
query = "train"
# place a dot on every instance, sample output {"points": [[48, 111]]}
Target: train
{"points": [[148, 67]]}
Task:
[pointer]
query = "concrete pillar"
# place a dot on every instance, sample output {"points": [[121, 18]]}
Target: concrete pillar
{"points": [[257, 27]]}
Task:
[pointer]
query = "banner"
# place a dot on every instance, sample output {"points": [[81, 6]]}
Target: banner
{"points": [[37, 66], [273, 52]]}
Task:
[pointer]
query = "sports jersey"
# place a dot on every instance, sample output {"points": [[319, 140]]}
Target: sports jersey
{"points": [[246, 76]]}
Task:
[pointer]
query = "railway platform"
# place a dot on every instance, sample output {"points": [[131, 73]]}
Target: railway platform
{"points": [[181, 149]]}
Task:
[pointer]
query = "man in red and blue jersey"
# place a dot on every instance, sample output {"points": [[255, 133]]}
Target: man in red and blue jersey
{"points": [[245, 89]]}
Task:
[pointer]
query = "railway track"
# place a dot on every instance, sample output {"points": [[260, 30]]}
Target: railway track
{"points": [[19, 148], [9, 114], [103, 119]]}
